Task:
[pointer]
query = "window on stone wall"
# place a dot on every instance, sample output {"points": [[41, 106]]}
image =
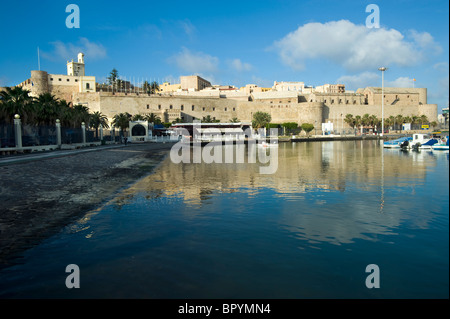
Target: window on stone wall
{"points": [[88, 86], [182, 107], [203, 109], [148, 106], [159, 107], [171, 107], [234, 109], [193, 107], [225, 109], [332, 101], [68, 80], [214, 109]]}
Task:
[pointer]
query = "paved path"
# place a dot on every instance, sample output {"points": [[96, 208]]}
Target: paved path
{"points": [[41, 193]]}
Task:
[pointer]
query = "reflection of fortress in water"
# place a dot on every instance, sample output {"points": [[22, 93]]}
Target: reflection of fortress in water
{"points": [[301, 167], [349, 181]]}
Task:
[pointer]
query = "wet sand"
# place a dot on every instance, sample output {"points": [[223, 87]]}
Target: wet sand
{"points": [[41, 196]]}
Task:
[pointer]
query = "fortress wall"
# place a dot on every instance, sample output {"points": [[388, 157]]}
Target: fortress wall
{"points": [[40, 83], [226, 109], [91, 100], [64, 92]]}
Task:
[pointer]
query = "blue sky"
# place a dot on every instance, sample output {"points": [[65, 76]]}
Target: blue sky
{"points": [[234, 42]]}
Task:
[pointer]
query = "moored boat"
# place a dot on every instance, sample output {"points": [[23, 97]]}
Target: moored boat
{"points": [[421, 142], [442, 145], [397, 142]]}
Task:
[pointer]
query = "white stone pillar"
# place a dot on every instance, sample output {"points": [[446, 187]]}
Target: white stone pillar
{"points": [[58, 133], [18, 131], [83, 131]]}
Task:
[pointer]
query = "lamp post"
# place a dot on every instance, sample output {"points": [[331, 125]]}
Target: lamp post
{"points": [[382, 69]]}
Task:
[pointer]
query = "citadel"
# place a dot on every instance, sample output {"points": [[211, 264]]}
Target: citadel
{"points": [[195, 98]]}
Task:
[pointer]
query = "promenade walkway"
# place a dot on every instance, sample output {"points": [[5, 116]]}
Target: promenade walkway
{"points": [[40, 193]]}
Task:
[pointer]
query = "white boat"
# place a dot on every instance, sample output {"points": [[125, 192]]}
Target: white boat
{"points": [[420, 142], [267, 145], [442, 145], [397, 142]]}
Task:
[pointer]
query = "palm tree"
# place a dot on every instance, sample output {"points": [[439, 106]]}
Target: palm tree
{"points": [[261, 119], [154, 87], [209, 119], [138, 117], [122, 121], [16, 100], [234, 120], [152, 118], [423, 119], [391, 121], [350, 120], [46, 109], [97, 119], [399, 120]]}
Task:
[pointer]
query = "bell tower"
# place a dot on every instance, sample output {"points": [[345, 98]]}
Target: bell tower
{"points": [[76, 68]]}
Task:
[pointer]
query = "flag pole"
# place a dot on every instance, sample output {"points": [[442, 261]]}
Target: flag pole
{"points": [[39, 60]]}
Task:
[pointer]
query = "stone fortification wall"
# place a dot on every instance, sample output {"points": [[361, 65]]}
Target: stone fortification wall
{"points": [[39, 81]]}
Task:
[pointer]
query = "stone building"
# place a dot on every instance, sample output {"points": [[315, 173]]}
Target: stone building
{"points": [[194, 101]]}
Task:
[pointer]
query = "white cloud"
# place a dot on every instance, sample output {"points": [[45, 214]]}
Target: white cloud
{"points": [[240, 66], [401, 82], [354, 47], [67, 51], [365, 79], [188, 27], [195, 62]]}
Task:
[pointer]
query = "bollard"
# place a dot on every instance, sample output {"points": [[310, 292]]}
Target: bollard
{"points": [[83, 130], [58, 133], [18, 131]]}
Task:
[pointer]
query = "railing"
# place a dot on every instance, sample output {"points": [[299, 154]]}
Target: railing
{"points": [[28, 138]]}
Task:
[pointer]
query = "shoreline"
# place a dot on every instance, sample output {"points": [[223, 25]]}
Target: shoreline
{"points": [[41, 196]]}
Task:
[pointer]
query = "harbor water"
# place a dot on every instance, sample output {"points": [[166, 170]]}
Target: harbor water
{"points": [[226, 231]]}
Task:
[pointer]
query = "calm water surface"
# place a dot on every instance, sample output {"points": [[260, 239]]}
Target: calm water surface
{"points": [[225, 231]]}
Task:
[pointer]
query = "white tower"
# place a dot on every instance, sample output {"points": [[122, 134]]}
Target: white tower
{"points": [[76, 68]]}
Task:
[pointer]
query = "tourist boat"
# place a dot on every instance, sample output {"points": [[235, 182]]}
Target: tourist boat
{"points": [[397, 142], [442, 145], [420, 142]]}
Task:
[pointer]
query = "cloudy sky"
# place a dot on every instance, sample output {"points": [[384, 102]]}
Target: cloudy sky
{"points": [[235, 42]]}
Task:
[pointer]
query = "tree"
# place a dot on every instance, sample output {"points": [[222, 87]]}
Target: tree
{"points": [[260, 120], [307, 127], [46, 109], [290, 127], [209, 119], [14, 101], [98, 120], [122, 121], [234, 120], [152, 118], [154, 87], [138, 117], [350, 120], [113, 78]]}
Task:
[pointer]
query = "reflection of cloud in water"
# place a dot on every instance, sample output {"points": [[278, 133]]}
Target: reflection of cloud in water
{"points": [[327, 192]]}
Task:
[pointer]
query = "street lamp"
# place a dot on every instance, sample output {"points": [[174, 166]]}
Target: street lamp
{"points": [[382, 69]]}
